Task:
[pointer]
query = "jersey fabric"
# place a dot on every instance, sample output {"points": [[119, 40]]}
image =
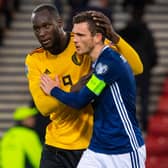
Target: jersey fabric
{"points": [[69, 128], [113, 89], [20, 147]]}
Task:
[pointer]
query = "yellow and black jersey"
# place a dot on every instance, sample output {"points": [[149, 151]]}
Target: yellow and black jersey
{"points": [[69, 128]]}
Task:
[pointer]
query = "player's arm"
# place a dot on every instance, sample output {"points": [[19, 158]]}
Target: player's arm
{"points": [[76, 100], [94, 86], [130, 55], [119, 44], [44, 103]]}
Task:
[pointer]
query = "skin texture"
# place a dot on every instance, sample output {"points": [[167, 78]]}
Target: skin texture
{"points": [[49, 31], [85, 42], [47, 84]]}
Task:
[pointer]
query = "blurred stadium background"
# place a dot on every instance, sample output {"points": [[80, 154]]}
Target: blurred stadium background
{"points": [[19, 39]]}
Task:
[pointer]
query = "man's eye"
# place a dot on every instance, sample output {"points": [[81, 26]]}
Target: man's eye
{"points": [[47, 26], [36, 29]]}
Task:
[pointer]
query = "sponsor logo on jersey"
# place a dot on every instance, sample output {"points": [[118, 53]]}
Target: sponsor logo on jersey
{"points": [[47, 71]]}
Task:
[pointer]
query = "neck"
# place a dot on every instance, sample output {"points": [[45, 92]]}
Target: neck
{"points": [[64, 39], [95, 53], [62, 45]]}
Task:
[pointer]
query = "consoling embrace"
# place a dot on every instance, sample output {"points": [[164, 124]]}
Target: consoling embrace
{"points": [[90, 101]]}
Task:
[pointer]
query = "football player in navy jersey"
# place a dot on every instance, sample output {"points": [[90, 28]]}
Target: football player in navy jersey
{"points": [[117, 140]]}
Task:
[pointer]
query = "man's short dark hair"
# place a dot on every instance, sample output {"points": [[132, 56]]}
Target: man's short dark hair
{"points": [[86, 16], [49, 7]]}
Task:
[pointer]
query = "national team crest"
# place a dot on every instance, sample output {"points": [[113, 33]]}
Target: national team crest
{"points": [[101, 68]]}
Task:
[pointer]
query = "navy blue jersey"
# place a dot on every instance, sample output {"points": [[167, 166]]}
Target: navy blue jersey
{"points": [[112, 90]]}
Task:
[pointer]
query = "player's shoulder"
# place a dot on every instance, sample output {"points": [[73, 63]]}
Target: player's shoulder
{"points": [[38, 50], [110, 44], [110, 51]]}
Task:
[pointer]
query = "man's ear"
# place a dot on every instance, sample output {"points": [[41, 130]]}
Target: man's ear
{"points": [[98, 37], [60, 22]]}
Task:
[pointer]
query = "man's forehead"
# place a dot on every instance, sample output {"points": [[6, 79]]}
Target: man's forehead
{"points": [[81, 26], [42, 16], [42, 13]]}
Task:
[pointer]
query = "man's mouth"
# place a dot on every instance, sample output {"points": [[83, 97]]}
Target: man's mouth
{"points": [[45, 42], [77, 47]]}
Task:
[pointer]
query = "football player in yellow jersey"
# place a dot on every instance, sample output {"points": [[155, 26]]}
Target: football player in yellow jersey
{"points": [[69, 132]]}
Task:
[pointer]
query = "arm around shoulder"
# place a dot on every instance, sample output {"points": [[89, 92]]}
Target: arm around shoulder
{"points": [[130, 55]]}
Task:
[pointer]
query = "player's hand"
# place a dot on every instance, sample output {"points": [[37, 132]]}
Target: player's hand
{"points": [[105, 23], [82, 82], [47, 84]]}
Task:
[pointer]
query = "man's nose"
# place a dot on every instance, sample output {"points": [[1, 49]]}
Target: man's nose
{"points": [[42, 32], [75, 39]]}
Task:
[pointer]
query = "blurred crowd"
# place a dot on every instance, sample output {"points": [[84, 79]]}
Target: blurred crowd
{"points": [[136, 25], [7, 11]]}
